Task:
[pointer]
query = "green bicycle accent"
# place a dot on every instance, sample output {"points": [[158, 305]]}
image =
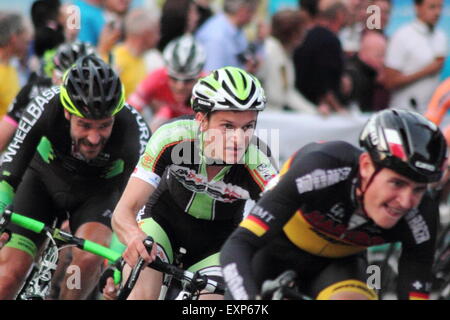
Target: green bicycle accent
{"points": [[27, 223]]}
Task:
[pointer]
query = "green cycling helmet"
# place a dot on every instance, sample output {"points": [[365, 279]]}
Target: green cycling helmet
{"points": [[228, 89]]}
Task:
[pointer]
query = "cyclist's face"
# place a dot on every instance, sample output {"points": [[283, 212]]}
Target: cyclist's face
{"points": [[390, 196], [228, 133], [89, 136], [181, 89]]}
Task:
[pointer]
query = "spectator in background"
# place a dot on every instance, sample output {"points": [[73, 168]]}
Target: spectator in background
{"points": [[114, 29], [350, 35], [439, 106], [69, 19], [141, 34], [223, 38], [308, 12], [319, 59], [384, 7], [364, 68], [204, 10], [277, 69], [14, 40], [167, 91], [415, 56], [48, 30], [381, 95], [92, 20], [177, 18]]}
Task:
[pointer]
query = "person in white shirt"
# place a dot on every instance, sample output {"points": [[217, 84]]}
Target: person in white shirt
{"points": [[415, 56], [277, 69]]}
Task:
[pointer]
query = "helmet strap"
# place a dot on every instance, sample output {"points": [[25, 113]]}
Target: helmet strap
{"points": [[360, 198]]}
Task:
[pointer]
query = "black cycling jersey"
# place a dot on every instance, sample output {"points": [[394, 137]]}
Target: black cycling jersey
{"points": [[313, 208], [52, 181], [35, 86]]}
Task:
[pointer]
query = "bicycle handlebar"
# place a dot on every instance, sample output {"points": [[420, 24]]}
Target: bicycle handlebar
{"points": [[281, 288], [194, 281]]}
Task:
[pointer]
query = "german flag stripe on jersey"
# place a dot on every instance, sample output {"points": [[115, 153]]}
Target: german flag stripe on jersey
{"points": [[255, 225], [418, 296]]}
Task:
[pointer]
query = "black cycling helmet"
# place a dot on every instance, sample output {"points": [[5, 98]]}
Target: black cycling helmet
{"points": [[68, 53], [91, 89], [406, 143]]}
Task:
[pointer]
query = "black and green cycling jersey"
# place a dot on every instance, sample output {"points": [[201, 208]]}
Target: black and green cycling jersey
{"points": [[173, 163]]}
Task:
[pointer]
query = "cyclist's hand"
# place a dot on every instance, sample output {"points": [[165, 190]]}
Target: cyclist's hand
{"points": [[136, 249], [110, 290], [4, 237]]}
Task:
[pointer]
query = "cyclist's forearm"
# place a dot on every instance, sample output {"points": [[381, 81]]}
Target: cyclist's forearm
{"points": [[133, 199]]}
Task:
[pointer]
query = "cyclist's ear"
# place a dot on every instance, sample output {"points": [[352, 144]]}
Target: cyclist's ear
{"points": [[366, 166]]}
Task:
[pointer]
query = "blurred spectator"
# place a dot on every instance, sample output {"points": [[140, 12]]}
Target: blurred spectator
{"points": [[381, 95], [439, 106], [114, 28], [69, 18], [223, 38], [277, 70], [363, 69], [319, 60], [379, 23], [141, 34], [204, 10], [350, 35], [415, 56], [167, 91], [92, 20], [14, 40], [48, 31], [177, 18], [308, 12]]}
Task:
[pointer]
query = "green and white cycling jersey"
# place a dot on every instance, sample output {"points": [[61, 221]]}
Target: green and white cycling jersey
{"points": [[174, 165]]}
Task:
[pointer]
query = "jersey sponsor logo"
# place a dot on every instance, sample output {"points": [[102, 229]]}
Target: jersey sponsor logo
{"points": [[320, 179], [147, 161], [235, 282], [143, 128], [219, 190], [29, 118], [266, 171], [418, 226], [321, 223], [261, 213]]}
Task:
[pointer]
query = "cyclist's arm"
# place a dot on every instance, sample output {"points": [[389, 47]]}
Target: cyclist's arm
{"points": [[7, 129], [136, 194], [146, 90]]}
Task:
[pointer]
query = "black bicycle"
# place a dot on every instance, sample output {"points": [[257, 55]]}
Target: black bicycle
{"points": [[37, 285], [188, 285]]}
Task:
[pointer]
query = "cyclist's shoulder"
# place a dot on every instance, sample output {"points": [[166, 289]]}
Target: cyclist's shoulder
{"points": [[156, 77], [333, 150], [175, 131]]}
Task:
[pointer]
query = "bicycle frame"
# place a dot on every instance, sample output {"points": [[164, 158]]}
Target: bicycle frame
{"points": [[33, 287]]}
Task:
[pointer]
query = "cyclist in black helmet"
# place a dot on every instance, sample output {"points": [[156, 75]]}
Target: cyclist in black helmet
{"points": [[90, 142], [53, 65], [332, 201]]}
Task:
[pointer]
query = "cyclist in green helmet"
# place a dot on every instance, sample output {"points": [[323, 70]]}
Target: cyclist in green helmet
{"points": [[194, 180]]}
